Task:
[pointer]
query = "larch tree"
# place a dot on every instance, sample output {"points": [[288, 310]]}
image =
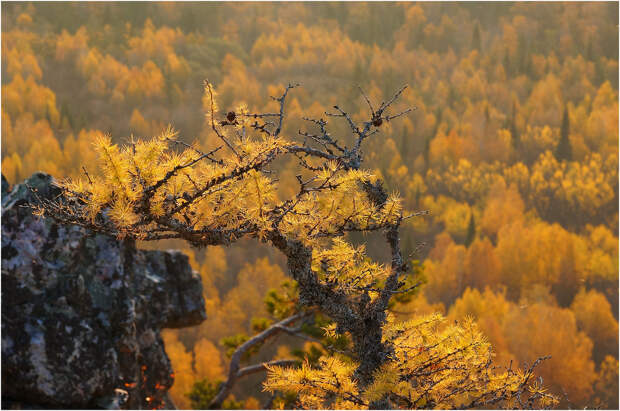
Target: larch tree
{"points": [[164, 188]]}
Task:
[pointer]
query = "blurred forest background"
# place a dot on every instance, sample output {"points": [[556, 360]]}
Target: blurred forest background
{"points": [[513, 149]]}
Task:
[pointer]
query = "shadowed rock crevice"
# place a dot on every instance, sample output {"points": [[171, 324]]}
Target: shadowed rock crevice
{"points": [[82, 312]]}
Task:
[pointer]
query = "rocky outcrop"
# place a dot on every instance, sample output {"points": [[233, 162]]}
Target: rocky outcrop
{"points": [[82, 312]]}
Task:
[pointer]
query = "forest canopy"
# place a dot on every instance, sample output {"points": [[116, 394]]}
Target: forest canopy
{"points": [[512, 147]]}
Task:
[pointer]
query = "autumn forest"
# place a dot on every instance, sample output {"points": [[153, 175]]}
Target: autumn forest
{"points": [[511, 147]]}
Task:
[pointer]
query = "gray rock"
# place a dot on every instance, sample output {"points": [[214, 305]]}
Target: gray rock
{"points": [[82, 312]]}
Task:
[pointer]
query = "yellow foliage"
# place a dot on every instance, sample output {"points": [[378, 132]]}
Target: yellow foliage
{"points": [[24, 19], [347, 265], [26, 97], [329, 386], [482, 266], [158, 44], [246, 299], [22, 62], [435, 364], [12, 168], [181, 360], [458, 142], [445, 273], [70, 46], [446, 150], [539, 254], [207, 361], [522, 331], [489, 310]]}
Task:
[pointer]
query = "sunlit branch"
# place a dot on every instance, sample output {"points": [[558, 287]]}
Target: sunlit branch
{"points": [[235, 360], [251, 369], [237, 172]]}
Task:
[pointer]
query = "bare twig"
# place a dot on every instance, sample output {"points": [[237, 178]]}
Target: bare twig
{"points": [[212, 115], [235, 360], [197, 151], [251, 369], [87, 176], [372, 110], [282, 100]]}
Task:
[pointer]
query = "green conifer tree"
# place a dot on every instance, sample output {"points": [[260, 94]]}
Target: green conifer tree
{"points": [[516, 138], [564, 151], [475, 41], [507, 64]]}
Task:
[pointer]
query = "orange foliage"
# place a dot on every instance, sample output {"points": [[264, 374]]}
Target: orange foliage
{"points": [[530, 335], [521, 331], [545, 230], [594, 317], [504, 206], [189, 366]]}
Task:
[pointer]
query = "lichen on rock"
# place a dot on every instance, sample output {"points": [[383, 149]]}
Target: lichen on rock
{"points": [[82, 312]]}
